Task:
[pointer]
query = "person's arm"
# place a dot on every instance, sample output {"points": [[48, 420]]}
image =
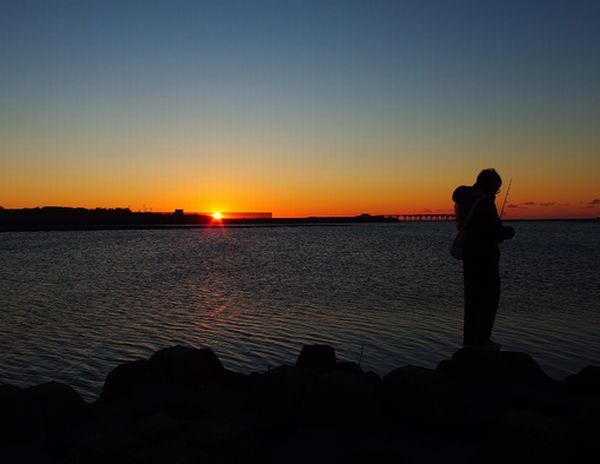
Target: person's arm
{"points": [[492, 228]]}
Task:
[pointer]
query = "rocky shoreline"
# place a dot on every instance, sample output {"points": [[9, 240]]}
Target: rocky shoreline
{"points": [[182, 406]]}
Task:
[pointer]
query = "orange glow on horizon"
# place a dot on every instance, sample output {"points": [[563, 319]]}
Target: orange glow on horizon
{"points": [[325, 192]]}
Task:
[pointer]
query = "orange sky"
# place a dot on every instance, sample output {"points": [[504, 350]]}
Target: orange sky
{"points": [[298, 185], [345, 174]]}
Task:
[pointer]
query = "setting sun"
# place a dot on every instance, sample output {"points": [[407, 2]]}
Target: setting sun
{"points": [[217, 216]]}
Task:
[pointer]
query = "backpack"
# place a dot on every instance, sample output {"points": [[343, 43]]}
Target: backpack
{"points": [[457, 248]]}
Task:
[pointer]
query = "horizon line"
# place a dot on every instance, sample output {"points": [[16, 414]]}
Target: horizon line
{"points": [[285, 217]]}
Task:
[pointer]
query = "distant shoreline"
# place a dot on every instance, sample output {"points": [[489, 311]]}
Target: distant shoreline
{"points": [[63, 218]]}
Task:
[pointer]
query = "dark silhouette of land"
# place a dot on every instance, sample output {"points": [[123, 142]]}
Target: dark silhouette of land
{"points": [[183, 406], [63, 218]]}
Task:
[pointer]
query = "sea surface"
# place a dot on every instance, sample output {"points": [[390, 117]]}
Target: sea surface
{"points": [[73, 305]]}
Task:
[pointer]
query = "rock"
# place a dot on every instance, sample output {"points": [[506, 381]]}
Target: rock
{"points": [[348, 366], [323, 446], [281, 392], [341, 398], [6, 393], [320, 358], [552, 403], [158, 427], [419, 395], [413, 380], [586, 382], [123, 379], [115, 444], [584, 426], [236, 381], [11, 405], [472, 366], [145, 399], [226, 439], [373, 377], [185, 365], [215, 399], [215, 432], [34, 453], [178, 365], [526, 437], [522, 368], [181, 405], [172, 452], [45, 418], [55, 404]]}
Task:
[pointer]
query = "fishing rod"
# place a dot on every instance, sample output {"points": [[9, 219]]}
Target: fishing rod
{"points": [[505, 198]]}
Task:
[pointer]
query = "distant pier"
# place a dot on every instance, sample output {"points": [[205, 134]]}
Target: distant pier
{"points": [[421, 217]]}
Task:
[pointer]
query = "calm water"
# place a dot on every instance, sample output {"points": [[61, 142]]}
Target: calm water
{"points": [[75, 304]]}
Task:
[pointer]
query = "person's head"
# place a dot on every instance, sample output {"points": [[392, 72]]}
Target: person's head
{"points": [[489, 182]]}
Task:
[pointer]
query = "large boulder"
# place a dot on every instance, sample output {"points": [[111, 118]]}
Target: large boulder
{"points": [[11, 405], [586, 382], [418, 395], [177, 365], [473, 366], [236, 381], [123, 379], [158, 427], [55, 404], [320, 358], [175, 451], [584, 404], [117, 443], [281, 392], [45, 419], [217, 433], [7, 392], [549, 402], [525, 437], [340, 398], [185, 365]]}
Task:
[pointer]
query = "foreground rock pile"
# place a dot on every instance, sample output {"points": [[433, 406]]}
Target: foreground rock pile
{"points": [[183, 406]]}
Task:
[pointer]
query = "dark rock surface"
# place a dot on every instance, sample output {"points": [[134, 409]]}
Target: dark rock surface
{"points": [[586, 382], [320, 358], [183, 406], [504, 367]]}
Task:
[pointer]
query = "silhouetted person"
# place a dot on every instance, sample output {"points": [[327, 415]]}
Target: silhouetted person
{"points": [[481, 256]]}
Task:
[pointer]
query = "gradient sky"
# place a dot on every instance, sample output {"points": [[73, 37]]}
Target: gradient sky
{"points": [[297, 107]]}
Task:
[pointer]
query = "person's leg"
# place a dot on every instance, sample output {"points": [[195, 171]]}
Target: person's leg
{"points": [[491, 299], [472, 315], [482, 291]]}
